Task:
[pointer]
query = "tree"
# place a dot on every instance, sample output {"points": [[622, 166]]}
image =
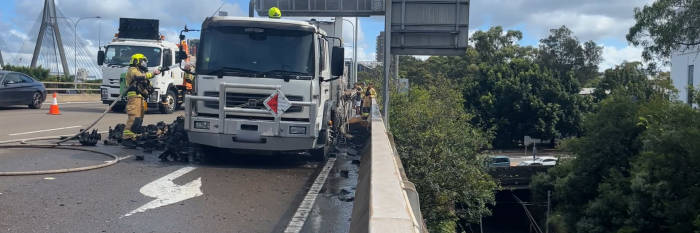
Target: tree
{"points": [[636, 164], [563, 53], [666, 26], [438, 148], [633, 78], [512, 95]]}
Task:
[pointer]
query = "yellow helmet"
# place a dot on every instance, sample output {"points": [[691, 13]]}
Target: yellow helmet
{"points": [[137, 58], [274, 12]]}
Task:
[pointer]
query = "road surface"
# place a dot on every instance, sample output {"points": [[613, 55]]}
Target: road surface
{"points": [[227, 192]]}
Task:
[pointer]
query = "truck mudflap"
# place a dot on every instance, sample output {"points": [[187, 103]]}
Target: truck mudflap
{"points": [[249, 133]]}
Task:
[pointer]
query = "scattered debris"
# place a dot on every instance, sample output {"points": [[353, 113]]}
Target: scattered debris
{"points": [[346, 196], [89, 139], [345, 173], [356, 161]]}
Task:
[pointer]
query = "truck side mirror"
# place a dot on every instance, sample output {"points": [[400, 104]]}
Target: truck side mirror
{"points": [[100, 57], [181, 55], [338, 61]]}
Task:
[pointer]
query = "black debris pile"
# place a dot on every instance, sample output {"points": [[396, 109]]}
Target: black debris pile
{"points": [[169, 138], [89, 139], [176, 143], [114, 137]]}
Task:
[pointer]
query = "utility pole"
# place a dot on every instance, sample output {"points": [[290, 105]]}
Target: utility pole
{"points": [[354, 53], [49, 19], [546, 219], [387, 59], [75, 49], [1, 62]]}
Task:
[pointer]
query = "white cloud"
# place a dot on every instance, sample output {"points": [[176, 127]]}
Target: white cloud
{"points": [[613, 56], [584, 26], [19, 34]]}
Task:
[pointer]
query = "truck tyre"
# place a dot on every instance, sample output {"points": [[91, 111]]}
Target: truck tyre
{"points": [[170, 105], [321, 154], [119, 107]]}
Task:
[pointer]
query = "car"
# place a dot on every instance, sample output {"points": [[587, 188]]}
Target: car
{"points": [[530, 163], [539, 161], [499, 161], [547, 160], [21, 89]]}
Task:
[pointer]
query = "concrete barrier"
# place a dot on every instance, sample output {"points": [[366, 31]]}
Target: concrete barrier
{"points": [[385, 201]]}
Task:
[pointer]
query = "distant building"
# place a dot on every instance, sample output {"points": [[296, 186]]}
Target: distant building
{"points": [[684, 73], [379, 55]]}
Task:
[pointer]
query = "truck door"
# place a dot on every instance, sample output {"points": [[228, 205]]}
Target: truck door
{"points": [[324, 69]]}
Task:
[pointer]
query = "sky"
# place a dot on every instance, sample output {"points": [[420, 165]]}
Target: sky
{"points": [[604, 21]]}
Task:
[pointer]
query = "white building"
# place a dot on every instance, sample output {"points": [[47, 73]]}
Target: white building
{"points": [[685, 72]]}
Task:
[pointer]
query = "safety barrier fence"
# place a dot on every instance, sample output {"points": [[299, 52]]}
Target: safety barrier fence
{"points": [[72, 87], [385, 201]]}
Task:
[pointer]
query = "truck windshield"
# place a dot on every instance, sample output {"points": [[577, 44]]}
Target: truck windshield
{"points": [[255, 50], [120, 55]]}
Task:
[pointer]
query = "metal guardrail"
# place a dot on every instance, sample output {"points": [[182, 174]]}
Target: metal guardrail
{"points": [[385, 200], [72, 87]]}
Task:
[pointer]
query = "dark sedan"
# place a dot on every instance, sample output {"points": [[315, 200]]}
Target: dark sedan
{"points": [[20, 89]]}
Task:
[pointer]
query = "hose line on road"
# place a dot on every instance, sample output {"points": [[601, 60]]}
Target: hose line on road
{"points": [[65, 139], [114, 160], [57, 145]]}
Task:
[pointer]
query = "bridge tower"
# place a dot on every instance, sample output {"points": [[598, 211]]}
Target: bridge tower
{"points": [[49, 21]]}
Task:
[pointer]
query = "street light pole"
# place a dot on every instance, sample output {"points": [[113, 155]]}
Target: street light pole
{"points": [[353, 77], [75, 48], [354, 53]]}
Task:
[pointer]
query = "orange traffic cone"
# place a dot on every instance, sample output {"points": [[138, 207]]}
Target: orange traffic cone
{"points": [[54, 106]]}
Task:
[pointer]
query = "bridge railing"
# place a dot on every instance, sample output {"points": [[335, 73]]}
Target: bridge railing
{"points": [[385, 200], [72, 87]]}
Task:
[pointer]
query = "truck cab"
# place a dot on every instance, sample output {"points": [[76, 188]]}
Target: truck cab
{"points": [[114, 63], [243, 64]]}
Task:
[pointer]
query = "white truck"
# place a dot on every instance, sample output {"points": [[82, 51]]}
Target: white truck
{"points": [[264, 85], [141, 36]]}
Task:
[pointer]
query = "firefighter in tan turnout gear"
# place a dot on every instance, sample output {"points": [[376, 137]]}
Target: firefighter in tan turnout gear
{"points": [[138, 88]]}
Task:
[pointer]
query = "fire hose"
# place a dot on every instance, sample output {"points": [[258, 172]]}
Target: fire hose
{"points": [[57, 145]]}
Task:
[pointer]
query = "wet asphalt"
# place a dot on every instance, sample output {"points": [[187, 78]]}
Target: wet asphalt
{"points": [[240, 192]]}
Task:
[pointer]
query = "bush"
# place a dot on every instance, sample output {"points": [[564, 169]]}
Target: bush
{"points": [[38, 73], [439, 150]]}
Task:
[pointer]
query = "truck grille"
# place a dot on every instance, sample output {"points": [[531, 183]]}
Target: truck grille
{"points": [[250, 101]]}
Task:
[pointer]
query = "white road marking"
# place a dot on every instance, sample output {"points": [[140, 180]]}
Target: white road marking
{"points": [[45, 130], [304, 208], [166, 192], [49, 178], [120, 158]]}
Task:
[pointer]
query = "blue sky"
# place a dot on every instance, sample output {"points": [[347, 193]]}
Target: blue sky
{"points": [[603, 21]]}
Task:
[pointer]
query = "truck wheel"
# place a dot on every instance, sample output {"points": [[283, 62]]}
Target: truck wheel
{"points": [[170, 104], [321, 154], [119, 107]]}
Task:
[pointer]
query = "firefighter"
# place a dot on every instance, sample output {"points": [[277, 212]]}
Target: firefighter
{"points": [[138, 88], [274, 13], [370, 93]]}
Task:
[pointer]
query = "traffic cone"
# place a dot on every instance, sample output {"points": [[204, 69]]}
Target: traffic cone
{"points": [[54, 106]]}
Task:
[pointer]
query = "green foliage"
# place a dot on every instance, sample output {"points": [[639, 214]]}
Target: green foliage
{"points": [[632, 79], [665, 26], [38, 73], [438, 148], [635, 170], [564, 53], [513, 95]]}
